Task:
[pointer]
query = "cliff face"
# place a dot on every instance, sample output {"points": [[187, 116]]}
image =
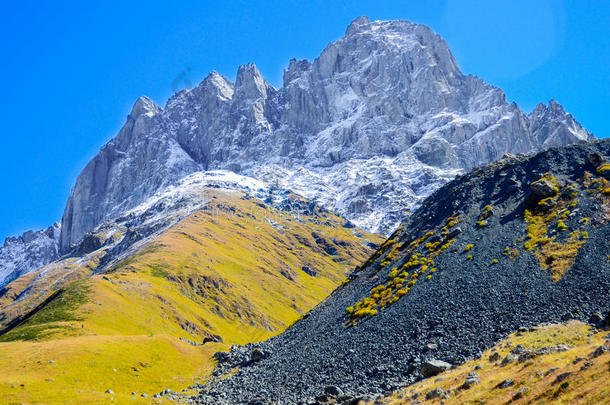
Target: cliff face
{"points": [[376, 123]]}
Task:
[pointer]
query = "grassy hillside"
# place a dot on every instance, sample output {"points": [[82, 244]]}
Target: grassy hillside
{"points": [[239, 271], [578, 375]]}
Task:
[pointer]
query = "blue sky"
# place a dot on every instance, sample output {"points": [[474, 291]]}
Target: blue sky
{"points": [[71, 71]]}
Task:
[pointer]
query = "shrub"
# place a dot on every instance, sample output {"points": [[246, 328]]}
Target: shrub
{"points": [[561, 225], [603, 169], [451, 224], [494, 261], [468, 247], [469, 257]]}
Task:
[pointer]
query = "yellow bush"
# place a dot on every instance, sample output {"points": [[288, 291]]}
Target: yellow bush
{"points": [[468, 247], [603, 169]]}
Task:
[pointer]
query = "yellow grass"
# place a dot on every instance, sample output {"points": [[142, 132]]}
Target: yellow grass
{"points": [[239, 276]]}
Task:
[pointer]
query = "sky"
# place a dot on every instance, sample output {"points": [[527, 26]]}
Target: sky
{"points": [[72, 70]]}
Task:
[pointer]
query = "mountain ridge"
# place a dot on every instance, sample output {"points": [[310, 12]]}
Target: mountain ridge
{"points": [[364, 97], [381, 119]]}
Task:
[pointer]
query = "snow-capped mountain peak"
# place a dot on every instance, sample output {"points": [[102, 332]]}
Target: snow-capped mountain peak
{"points": [[376, 123]]}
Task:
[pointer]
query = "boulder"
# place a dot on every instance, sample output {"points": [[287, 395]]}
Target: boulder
{"points": [[471, 379], [506, 383], [433, 367], [543, 189], [256, 355], [435, 393], [599, 351], [519, 394], [222, 356], [333, 390], [494, 357], [212, 338]]}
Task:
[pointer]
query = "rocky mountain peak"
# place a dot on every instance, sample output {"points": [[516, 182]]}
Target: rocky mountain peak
{"points": [[218, 85], [357, 25], [144, 106], [376, 123], [554, 125], [250, 84], [28, 252], [295, 70]]}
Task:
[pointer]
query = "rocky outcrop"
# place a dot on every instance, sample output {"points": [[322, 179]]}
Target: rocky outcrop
{"points": [[377, 122]]}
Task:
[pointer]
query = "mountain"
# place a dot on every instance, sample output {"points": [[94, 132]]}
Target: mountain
{"points": [[520, 242], [381, 119], [237, 208], [143, 303], [28, 252]]}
